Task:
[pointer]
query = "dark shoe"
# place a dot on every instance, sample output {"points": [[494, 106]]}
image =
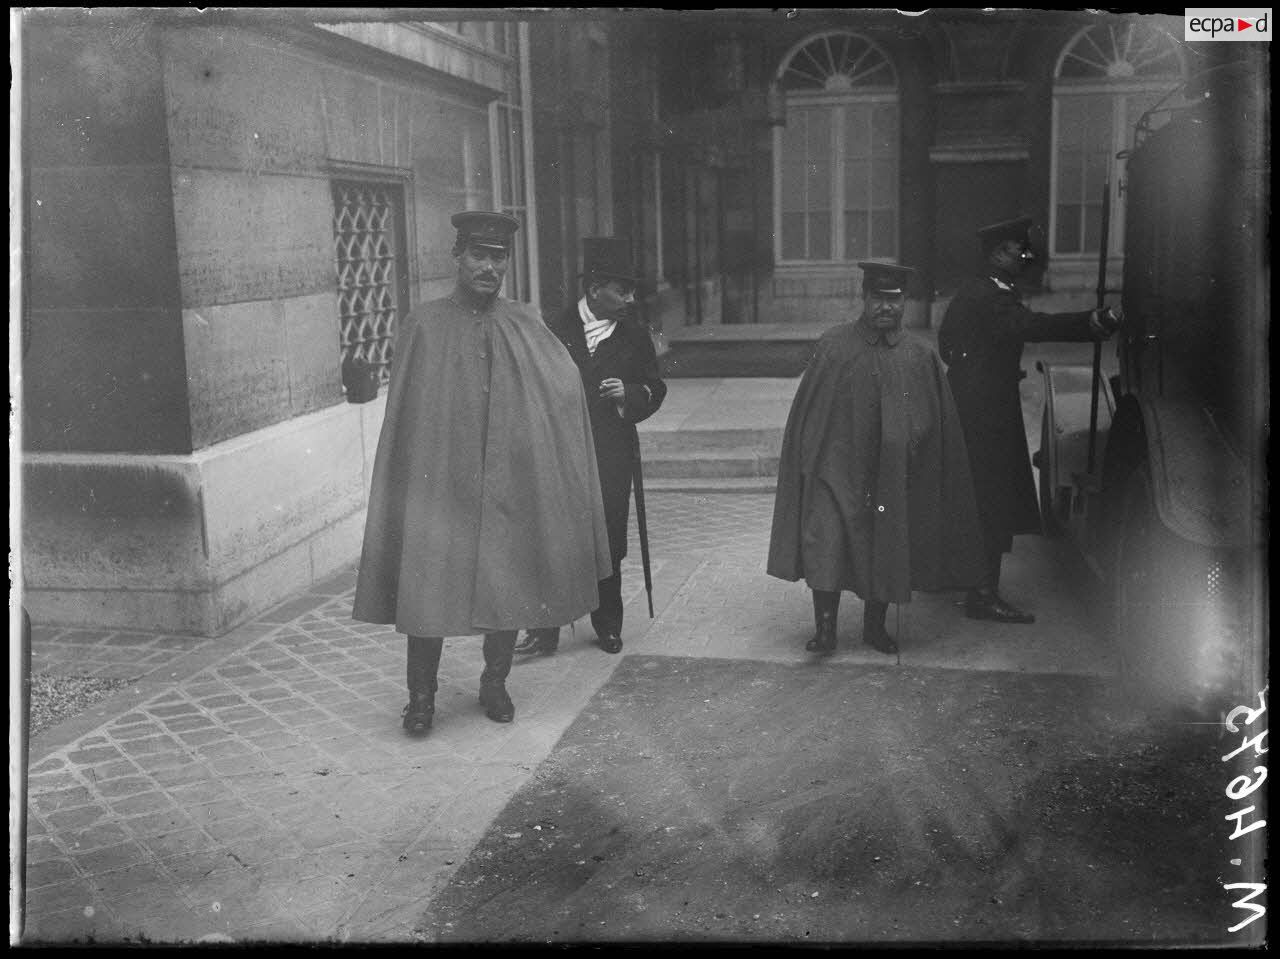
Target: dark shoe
{"points": [[422, 664], [611, 643], [497, 704], [991, 606], [538, 642], [826, 606], [498, 649], [878, 638], [419, 712], [824, 638]]}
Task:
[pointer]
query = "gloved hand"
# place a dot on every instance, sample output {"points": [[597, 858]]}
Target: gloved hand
{"points": [[1105, 321]]}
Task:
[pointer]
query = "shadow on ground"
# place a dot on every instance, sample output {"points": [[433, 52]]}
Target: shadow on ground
{"points": [[747, 801]]}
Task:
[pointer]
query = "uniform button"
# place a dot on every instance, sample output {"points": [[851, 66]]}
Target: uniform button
{"points": [[880, 509], [482, 356]]}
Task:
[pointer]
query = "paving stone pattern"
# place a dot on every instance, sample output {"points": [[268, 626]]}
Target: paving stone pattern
{"points": [[270, 793], [273, 795]]}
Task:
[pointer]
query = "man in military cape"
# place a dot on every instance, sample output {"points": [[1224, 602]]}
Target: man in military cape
{"points": [[485, 512], [874, 493]]}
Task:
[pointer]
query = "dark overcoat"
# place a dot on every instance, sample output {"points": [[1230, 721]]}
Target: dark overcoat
{"points": [[626, 354], [874, 494], [981, 339], [485, 510]]}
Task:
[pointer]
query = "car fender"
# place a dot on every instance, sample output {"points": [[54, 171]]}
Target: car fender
{"points": [[1200, 483], [1068, 397]]}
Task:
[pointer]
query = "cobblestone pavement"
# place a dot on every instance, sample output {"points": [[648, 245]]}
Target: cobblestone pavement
{"points": [[678, 524], [259, 787], [110, 655]]}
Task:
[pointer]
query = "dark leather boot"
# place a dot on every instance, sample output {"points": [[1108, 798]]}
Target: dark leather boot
{"points": [[826, 603], [422, 666], [987, 604], [606, 619], [498, 650], [873, 632], [539, 642]]}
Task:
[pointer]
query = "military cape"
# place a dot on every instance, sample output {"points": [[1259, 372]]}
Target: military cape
{"points": [[874, 491], [484, 510]]}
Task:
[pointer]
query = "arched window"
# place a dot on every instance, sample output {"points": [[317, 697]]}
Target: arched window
{"points": [[1107, 77], [836, 159]]}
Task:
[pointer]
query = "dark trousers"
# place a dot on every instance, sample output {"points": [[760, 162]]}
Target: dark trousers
{"points": [[606, 619], [423, 659], [991, 580], [826, 603]]}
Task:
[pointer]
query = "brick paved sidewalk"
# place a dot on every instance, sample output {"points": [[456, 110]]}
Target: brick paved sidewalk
{"points": [[259, 787]]}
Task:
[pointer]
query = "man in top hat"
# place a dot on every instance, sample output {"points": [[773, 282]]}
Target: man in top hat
{"points": [[874, 494], [619, 370], [981, 339], [484, 512]]}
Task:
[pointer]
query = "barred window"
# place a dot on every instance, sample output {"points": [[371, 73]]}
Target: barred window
{"points": [[373, 287]]}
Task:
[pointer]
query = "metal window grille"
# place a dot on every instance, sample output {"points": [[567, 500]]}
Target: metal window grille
{"points": [[368, 238]]}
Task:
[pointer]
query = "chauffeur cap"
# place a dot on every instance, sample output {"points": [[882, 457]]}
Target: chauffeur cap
{"points": [[485, 228], [885, 277], [992, 235]]}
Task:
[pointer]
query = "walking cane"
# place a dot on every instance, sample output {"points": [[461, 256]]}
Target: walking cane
{"points": [[1097, 344], [637, 478]]}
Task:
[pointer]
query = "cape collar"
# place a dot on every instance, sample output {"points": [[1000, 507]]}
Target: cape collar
{"points": [[874, 336], [473, 305]]}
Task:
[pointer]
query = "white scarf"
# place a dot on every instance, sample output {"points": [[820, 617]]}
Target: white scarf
{"points": [[596, 330]]}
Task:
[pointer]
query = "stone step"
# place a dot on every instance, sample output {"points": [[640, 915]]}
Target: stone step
{"points": [[712, 484], [744, 358], [655, 442], [722, 463]]}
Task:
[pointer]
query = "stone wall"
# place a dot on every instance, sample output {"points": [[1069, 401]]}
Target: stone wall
{"points": [[258, 130], [189, 455], [104, 368]]}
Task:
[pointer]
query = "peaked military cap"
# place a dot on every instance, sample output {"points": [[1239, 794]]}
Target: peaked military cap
{"points": [[885, 277], [485, 228], [608, 257], [1019, 228]]}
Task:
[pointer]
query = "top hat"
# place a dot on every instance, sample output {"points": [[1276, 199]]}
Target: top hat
{"points": [[885, 277], [1019, 229], [608, 257], [485, 228]]}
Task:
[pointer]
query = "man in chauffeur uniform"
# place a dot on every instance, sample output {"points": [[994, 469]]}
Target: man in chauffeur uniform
{"points": [[620, 375], [484, 511], [874, 495], [981, 339]]}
